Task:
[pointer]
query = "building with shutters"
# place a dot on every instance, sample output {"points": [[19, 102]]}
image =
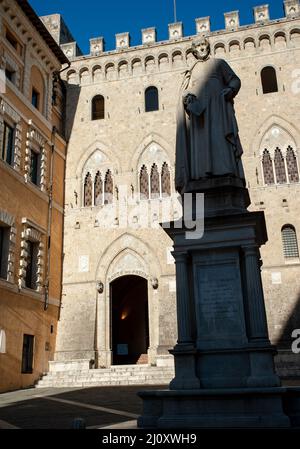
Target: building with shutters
{"points": [[32, 166]]}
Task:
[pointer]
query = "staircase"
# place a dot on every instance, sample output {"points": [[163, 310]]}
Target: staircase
{"points": [[113, 376]]}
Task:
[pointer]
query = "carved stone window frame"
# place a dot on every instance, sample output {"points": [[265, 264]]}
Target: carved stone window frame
{"points": [[34, 233], [36, 142], [7, 113], [9, 221]]}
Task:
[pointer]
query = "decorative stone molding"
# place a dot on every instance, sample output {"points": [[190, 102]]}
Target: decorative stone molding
{"points": [[7, 111], [149, 36], [175, 30], [292, 8], [31, 233], [11, 64], [232, 20], [261, 14], [35, 140], [70, 50], [203, 25], [96, 46], [9, 220], [122, 41]]}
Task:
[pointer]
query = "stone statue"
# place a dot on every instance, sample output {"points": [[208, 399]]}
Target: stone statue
{"points": [[207, 142]]}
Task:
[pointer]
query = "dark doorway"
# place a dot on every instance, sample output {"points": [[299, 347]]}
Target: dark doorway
{"points": [[130, 326], [27, 355]]}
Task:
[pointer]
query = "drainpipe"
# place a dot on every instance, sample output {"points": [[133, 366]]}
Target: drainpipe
{"points": [[56, 77], [50, 205]]}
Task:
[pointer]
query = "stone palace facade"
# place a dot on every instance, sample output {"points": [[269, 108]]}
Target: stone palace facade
{"points": [[119, 292]]}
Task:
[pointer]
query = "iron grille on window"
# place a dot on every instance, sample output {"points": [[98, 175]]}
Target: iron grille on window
{"points": [[289, 240], [292, 167], [108, 188], [35, 167], [88, 191], [32, 267], [144, 183], [165, 180], [268, 168], [279, 167], [8, 144], [155, 189], [98, 190]]}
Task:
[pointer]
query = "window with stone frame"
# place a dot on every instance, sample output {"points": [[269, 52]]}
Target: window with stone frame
{"points": [[279, 167], [98, 190], [10, 135], [292, 165], [36, 160], [8, 143], [290, 242], [151, 99], [35, 167], [32, 265], [165, 180], [4, 250], [32, 258], [268, 171], [7, 246], [155, 185], [88, 191], [144, 183], [108, 188], [269, 80], [98, 107]]}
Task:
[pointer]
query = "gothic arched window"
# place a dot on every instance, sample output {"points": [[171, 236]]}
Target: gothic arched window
{"points": [[289, 241], [98, 190], [268, 168], [144, 183], [88, 191], [292, 166], [151, 99], [98, 108], [155, 187], [279, 167], [165, 180], [269, 80], [108, 188]]}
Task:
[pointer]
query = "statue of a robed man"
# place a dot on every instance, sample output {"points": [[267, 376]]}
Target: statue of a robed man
{"points": [[207, 142]]}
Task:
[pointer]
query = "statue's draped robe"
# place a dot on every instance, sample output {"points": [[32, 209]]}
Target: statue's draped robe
{"points": [[207, 142]]}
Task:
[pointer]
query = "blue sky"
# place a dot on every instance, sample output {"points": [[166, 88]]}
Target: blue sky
{"points": [[93, 18]]}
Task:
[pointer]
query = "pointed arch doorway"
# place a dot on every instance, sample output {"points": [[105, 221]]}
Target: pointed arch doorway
{"points": [[129, 320]]}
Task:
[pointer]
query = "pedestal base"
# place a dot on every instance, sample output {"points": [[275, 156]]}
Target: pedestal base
{"points": [[230, 408]]}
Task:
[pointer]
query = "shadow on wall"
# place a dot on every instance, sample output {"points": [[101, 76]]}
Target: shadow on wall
{"points": [[72, 98], [285, 339]]}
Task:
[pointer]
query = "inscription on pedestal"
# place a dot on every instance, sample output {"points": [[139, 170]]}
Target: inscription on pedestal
{"points": [[219, 302]]}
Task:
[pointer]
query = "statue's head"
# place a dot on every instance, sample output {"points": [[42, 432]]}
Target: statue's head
{"points": [[201, 48]]}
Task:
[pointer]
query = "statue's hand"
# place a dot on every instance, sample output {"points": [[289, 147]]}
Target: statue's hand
{"points": [[228, 93], [188, 98]]}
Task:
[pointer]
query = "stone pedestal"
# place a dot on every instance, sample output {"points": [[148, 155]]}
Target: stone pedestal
{"points": [[224, 368]]}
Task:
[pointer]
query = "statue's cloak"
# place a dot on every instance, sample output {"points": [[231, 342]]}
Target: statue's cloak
{"points": [[207, 140]]}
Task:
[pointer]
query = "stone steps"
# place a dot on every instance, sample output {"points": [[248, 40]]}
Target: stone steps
{"points": [[114, 376]]}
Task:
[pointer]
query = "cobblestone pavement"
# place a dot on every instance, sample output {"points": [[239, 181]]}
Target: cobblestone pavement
{"points": [[57, 408]]}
